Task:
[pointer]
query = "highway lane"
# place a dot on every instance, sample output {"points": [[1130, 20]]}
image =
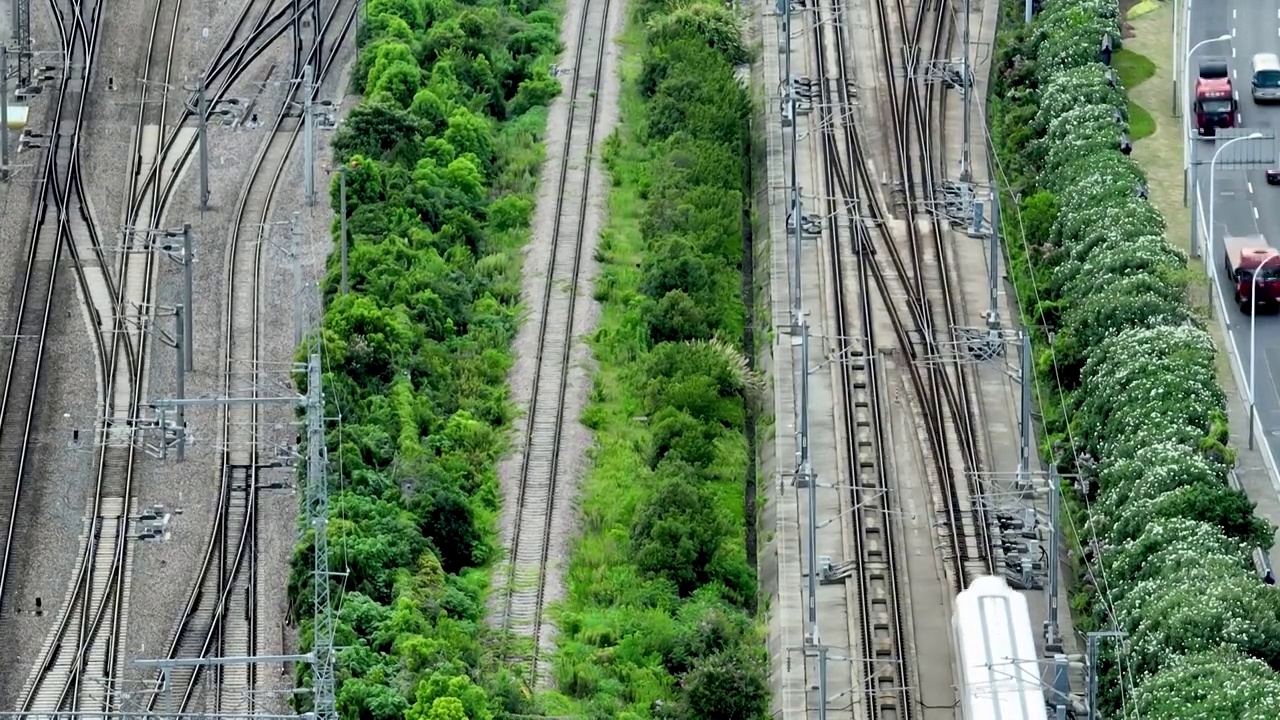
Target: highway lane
{"points": [[1245, 204]]}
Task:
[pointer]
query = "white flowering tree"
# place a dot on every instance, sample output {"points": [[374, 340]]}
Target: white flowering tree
{"points": [[1166, 547], [1196, 609], [1084, 85], [1145, 407], [1216, 684]]}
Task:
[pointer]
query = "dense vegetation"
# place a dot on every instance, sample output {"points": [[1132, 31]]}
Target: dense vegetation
{"points": [[1127, 385], [442, 159], [658, 619]]}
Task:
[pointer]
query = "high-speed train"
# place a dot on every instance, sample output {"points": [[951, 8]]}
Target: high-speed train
{"points": [[996, 662]]}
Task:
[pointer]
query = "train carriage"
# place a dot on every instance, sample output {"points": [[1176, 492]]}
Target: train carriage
{"points": [[997, 665]]}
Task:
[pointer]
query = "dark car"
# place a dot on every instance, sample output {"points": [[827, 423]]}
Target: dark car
{"points": [[1273, 176]]}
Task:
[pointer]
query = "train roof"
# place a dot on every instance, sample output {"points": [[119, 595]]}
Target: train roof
{"points": [[996, 653]]}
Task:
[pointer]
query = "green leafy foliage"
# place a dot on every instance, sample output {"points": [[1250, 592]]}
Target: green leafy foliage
{"points": [[1167, 539], [440, 161], [658, 617]]}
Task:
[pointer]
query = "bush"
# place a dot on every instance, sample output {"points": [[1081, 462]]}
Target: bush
{"points": [[441, 161], [1145, 417]]}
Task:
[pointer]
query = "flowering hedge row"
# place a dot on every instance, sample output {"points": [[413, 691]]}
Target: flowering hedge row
{"points": [[1143, 421]]}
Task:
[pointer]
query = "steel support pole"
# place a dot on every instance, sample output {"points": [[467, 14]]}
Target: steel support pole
{"points": [[308, 159], [1027, 12], [318, 511], [4, 109], [188, 272], [794, 204], [295, 236], [204, 144], [966, 166], [1024, 434], [180, 386], [806, 474], [1194, 195], [1174, 63], [993, 263], [342, 212], [1091, 675], [1253, 346], [1052, 636]]}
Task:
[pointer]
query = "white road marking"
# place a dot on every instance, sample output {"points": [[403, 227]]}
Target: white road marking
{"points": [[1234, 74], [1250, 183], [1233, 51], [1233, 32], [1233, 14], [1255, 212]]}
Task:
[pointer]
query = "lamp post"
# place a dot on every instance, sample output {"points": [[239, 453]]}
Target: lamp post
{"points": [[1213, 167], [1186, 117], [1253, 341]]}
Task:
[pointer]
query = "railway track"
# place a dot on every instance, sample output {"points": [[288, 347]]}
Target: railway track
{"points": [[894, 271], [83, 644], [540, 511], [220, 617]]}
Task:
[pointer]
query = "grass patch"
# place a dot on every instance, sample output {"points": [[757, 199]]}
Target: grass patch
{"points": [[1134, 69]]}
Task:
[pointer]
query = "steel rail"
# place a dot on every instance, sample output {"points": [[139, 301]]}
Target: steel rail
{"points": [[526, 575]]}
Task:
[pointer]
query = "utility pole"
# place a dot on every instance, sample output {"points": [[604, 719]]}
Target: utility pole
{"points": [[1024, 431], [1027, 11], [316, 505], [203, 106], [993, 262], [180, 384], [188, 272], [4, 112], [1091, 667], [1052, 638], [295, 234], [342, 211], [309, 159], [318, 515]]}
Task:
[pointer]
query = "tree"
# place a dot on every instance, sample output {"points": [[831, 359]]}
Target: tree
{"points": [[677, 532], [726, 687], [1215, 684]]}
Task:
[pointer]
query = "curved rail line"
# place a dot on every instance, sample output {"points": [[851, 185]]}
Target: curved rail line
{"points": [[539, 511], [220, 615], [920, 303]]}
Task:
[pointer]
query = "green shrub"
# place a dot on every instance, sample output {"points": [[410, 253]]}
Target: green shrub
{"points": [[441, 160]]}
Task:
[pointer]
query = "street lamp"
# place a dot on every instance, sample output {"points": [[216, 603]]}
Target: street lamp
{"points": [[1186, 117], [1213, 168], [1253, 341]]}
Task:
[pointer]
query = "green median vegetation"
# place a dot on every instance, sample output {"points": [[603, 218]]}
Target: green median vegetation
{"points": [[1142, 420], [1135, 69], [658, 618], [442, 157]]}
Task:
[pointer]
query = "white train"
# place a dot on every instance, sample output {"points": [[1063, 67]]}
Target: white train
{"points": [[998, 673]]}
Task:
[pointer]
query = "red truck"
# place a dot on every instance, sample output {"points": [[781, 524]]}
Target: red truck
{"points": [[1215, 103], [1245, 256]]}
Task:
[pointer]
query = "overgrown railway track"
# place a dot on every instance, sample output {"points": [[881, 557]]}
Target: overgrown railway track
{"points": [[541, 507]]}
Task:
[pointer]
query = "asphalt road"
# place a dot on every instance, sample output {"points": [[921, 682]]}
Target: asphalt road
{"points": [[1244, 203]]}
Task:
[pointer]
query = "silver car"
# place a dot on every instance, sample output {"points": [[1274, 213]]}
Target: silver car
{"points": [[1266, 78]]}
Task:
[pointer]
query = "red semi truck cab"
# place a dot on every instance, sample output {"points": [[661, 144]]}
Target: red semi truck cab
{"points": [[1245, 257], [1215, 103]]}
